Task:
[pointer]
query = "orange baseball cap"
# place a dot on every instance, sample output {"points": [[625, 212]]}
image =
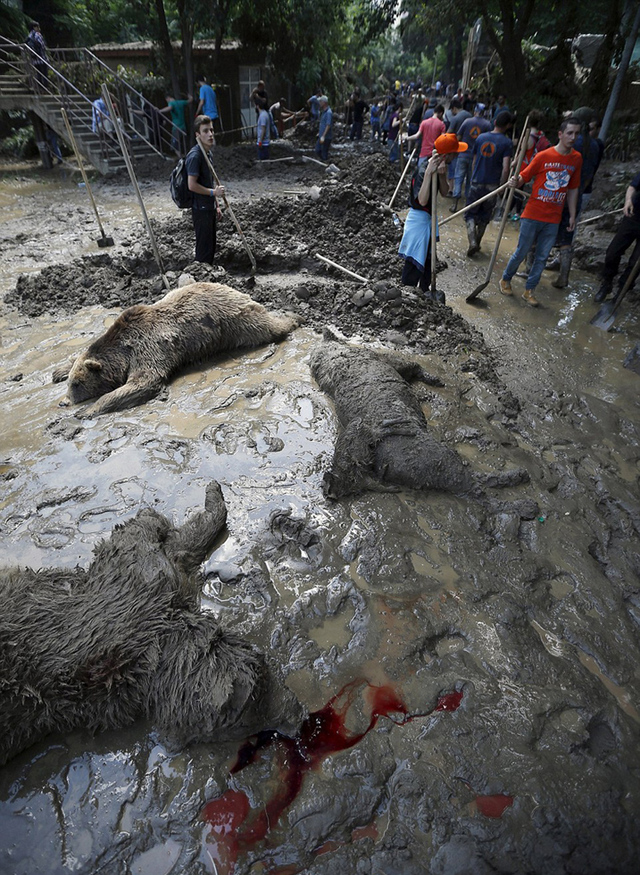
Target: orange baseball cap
{"points": [[447, 144]]}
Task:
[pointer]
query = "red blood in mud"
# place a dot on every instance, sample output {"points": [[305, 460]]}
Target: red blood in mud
{"points": [[323, 733], [493, 806], [449, 702], [225, 816]]}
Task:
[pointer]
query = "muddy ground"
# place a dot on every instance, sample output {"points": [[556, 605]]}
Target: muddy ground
{"points": [[510, 645]]}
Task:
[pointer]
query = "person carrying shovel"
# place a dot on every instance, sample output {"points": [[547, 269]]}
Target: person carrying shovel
{"points": [[204, 206], [491, 159], [415, 246], [556, 178]]}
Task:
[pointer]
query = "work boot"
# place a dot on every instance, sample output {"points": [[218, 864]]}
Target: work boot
{"points": [[566, 257], [471, 236], [528, 296], [505, 287], [480, 229], [603, 292], [454, 207]]}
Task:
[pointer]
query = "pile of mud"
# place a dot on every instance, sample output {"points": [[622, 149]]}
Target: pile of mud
{"points": [[347, 224]]}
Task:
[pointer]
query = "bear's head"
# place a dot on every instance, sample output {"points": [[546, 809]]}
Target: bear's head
{"points": [[88, 379]]}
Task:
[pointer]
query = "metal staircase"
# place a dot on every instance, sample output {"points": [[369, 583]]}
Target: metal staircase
{"points": [[72, 78]]}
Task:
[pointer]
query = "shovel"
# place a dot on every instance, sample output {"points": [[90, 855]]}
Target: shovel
{"points": [[606, 315], [103, 240], [434, 257], [231, 213], [505, 216], [134, 182]]}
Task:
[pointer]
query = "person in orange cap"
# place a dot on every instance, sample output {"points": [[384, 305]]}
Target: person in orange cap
{"points": [[415, 246]]}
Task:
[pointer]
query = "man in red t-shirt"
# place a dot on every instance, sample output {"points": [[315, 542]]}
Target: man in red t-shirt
{"points": [[556, 177], [430, 129]]}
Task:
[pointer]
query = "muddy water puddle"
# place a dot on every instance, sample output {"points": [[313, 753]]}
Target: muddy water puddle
{"points": [[431, 596]]}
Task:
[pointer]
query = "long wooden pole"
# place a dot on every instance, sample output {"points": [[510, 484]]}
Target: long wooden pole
{"points": [[434, 219], [104, 239], [480, 200], [343, 269], [231, 213], [127, 160], [404, 173]]}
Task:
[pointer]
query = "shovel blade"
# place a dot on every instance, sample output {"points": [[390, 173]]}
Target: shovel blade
{"points": [[474, 294], [605, 317], [105, 241]]}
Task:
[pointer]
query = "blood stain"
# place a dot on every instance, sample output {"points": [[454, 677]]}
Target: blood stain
{"points": [[494, 806], [323, 733]]}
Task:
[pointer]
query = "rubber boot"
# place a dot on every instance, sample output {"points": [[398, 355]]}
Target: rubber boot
{"points": [[454, 206], [480, 229], [528, 264], [471, 235], [566, 257], [603, 292]]}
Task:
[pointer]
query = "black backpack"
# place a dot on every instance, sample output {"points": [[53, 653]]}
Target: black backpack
{"points": [[179, 185]]}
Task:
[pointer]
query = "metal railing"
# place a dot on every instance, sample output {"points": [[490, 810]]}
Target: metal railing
{"points": [[141, 118], [138, 118]]}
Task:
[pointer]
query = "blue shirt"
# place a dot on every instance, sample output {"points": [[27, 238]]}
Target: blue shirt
{"points": [[314, 106], [471, 128], [210, 105], [489, 152], [264, 127], [326, 122]]}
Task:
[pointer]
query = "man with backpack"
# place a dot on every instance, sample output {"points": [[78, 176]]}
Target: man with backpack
{"points": [[38, 55], [204, 192]]}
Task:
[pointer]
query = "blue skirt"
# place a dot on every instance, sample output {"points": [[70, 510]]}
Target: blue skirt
{"points": [[415, 239]]}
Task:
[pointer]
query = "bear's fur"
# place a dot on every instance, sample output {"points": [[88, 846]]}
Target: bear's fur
{"points": [[384, 436], [125, 639], [147, 344]]}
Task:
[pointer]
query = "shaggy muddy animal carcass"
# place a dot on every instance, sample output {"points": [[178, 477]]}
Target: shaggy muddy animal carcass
{"points": [[384, 437], [100, 648], [147, 344]]}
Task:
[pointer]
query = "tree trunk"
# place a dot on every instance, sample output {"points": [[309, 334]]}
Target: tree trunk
{"points": [[622, 69], [165, 41]]}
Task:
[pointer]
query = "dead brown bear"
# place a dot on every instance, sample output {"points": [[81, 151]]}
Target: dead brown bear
{"points": [[384, 440], [125, 639], [147, 344]]}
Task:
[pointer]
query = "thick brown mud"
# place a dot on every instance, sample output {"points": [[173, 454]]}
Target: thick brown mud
{"points": [[377, 608]]}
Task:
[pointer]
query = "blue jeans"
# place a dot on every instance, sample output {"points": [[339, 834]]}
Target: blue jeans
{"points": [[463, 172], [322, 149], [543, 234], [394, 151]]}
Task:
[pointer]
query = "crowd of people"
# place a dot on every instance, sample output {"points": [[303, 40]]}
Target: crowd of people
{"points": [[472, 142], [467, 142], [459, 136]]}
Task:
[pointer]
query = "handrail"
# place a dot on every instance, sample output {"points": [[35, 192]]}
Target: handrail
{"points": [[145, 105], [61, 89], [135, 112]]}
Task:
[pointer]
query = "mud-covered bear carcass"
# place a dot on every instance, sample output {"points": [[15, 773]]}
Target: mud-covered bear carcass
{"points": [[125, 639], [384, 440]]}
